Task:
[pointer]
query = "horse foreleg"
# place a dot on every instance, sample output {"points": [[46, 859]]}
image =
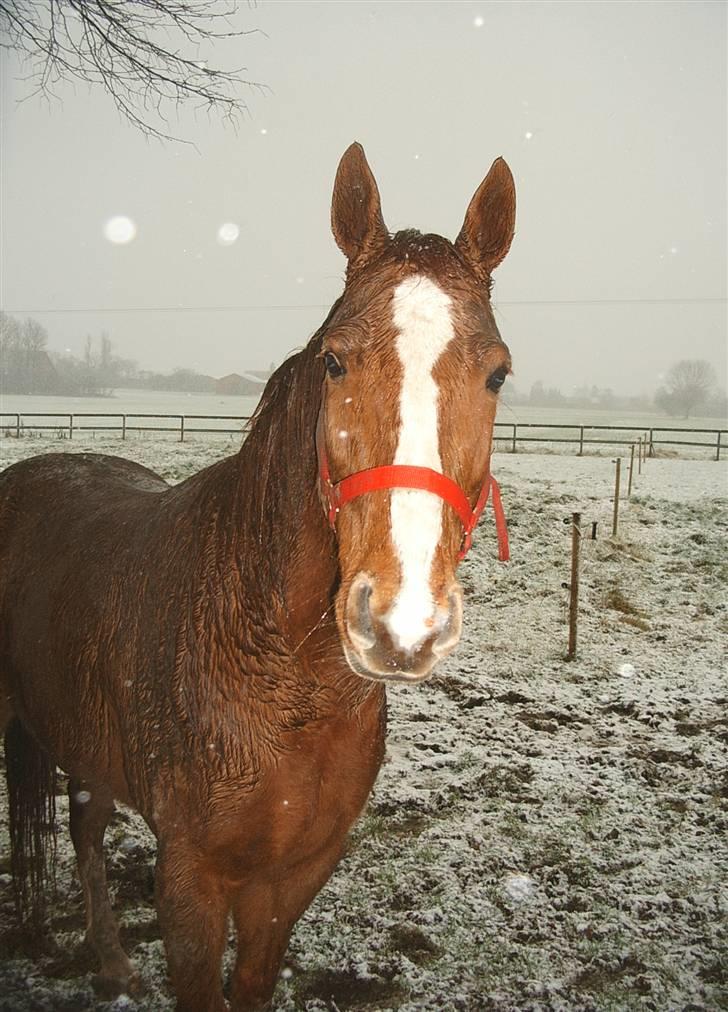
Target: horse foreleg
{"points": [[91, 808], [264, 914], [263, 930], [193, 916]]}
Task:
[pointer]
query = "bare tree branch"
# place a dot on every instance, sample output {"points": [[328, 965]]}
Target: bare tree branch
{"points": [[688, 385], [147, 54]]}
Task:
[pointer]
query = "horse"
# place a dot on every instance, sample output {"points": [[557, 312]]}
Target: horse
{"points": [[214, 654]]}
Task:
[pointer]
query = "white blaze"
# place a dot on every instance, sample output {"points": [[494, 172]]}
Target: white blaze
{"points": [[424, 330]]}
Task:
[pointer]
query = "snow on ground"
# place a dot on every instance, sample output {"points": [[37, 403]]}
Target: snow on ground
{"points": [[543, 835]]}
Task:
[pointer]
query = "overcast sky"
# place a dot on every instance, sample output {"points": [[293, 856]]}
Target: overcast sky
{"points": [[612, 116]]}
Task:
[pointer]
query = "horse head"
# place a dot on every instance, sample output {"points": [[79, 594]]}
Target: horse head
{"points": [[413, 365]]}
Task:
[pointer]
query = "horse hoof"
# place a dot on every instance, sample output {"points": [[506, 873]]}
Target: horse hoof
{"points": [[109, 988]]}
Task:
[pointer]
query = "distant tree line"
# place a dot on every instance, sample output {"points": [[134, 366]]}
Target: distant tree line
{"points": [[28, 367], [690, 388], [185, 380], [541, 396]]}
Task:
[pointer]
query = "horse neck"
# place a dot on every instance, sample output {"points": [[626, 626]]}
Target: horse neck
{"points": [[286, 555], [288, 552]]}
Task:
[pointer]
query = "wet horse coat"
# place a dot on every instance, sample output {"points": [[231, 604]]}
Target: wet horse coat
{"points": [[214, 654]]}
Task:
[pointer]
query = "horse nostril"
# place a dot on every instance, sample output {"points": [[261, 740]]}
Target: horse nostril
{"points": [[452, 627], [361, 627], [363, 613]]}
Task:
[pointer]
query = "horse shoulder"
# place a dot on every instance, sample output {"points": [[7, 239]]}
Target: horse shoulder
{"points": [[310, 783]]}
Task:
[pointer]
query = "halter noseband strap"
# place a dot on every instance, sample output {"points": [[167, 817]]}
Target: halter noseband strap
{"points": [[375, 479]]}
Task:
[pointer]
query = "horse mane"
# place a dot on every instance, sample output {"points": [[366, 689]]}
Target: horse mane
{"points": [[283, 384], [277, 460]]}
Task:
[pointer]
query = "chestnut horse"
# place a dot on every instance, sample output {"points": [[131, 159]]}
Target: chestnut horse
{"points": [[214, 654]]}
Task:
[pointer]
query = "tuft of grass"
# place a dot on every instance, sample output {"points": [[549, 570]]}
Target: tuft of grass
{"points": [[616, 600], [629, 613], [636, 621], [414, 943]]}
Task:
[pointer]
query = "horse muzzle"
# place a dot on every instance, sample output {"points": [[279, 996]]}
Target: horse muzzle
{"points": [[400, 640]]}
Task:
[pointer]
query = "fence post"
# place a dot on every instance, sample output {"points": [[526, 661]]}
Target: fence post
{"points": [[717, 447], [123, 426], [70, 426], [513, 446], [181, 428], [17, 430], [574, 585], [631, 469], [581, 440], [639, 455], [615, 521], [652, 448]]}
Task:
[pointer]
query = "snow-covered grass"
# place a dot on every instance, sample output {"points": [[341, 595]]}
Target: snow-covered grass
{"points": [[180, 403], [543, 834], [539, 438]]}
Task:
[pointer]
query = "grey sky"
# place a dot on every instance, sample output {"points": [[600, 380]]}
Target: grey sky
{"points": [[613, 118]]}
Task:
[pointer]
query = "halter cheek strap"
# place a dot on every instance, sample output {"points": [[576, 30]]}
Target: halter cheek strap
{"points": [[375, 479]]}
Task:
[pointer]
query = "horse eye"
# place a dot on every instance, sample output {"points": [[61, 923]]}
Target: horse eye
{"points": [[496, 380], [333, 367]]}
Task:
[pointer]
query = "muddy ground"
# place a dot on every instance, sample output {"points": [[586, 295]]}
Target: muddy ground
{"points": [[543, 835]]}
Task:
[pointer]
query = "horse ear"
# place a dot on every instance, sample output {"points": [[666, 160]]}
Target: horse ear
{"points": [[356, 211], [490, 221]]}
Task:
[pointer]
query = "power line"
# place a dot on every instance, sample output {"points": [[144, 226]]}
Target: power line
{"points": [[326, 306], [610, 302], [170, 309]]}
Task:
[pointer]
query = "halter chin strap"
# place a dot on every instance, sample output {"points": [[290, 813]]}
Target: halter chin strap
{"points": [[375, 479]]}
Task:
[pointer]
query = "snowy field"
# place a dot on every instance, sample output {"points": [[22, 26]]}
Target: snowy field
{"points": [[543, 835], [176, 402], [539, 429]]}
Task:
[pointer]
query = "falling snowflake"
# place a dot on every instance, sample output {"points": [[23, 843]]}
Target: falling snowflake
{"points": [[519, 887], [120, 230], [228, 233]]}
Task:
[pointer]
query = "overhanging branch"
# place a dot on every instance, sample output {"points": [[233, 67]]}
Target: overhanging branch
{"points": [[142, 53]]}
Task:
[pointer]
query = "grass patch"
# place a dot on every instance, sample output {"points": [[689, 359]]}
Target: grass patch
{"points": [[636, 622], [346, 990], [629, 613], [616, 600], [414, 943]]}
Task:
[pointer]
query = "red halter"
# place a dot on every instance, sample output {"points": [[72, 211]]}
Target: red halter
{"points": [[375, 479]]}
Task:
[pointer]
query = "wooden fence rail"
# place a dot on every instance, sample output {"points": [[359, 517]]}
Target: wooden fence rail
{"points": [[125, 423], [589, 435], [513, 434]]}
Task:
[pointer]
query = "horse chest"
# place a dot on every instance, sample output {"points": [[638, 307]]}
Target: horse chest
{"points": [[325, 792], [307, 797]]}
